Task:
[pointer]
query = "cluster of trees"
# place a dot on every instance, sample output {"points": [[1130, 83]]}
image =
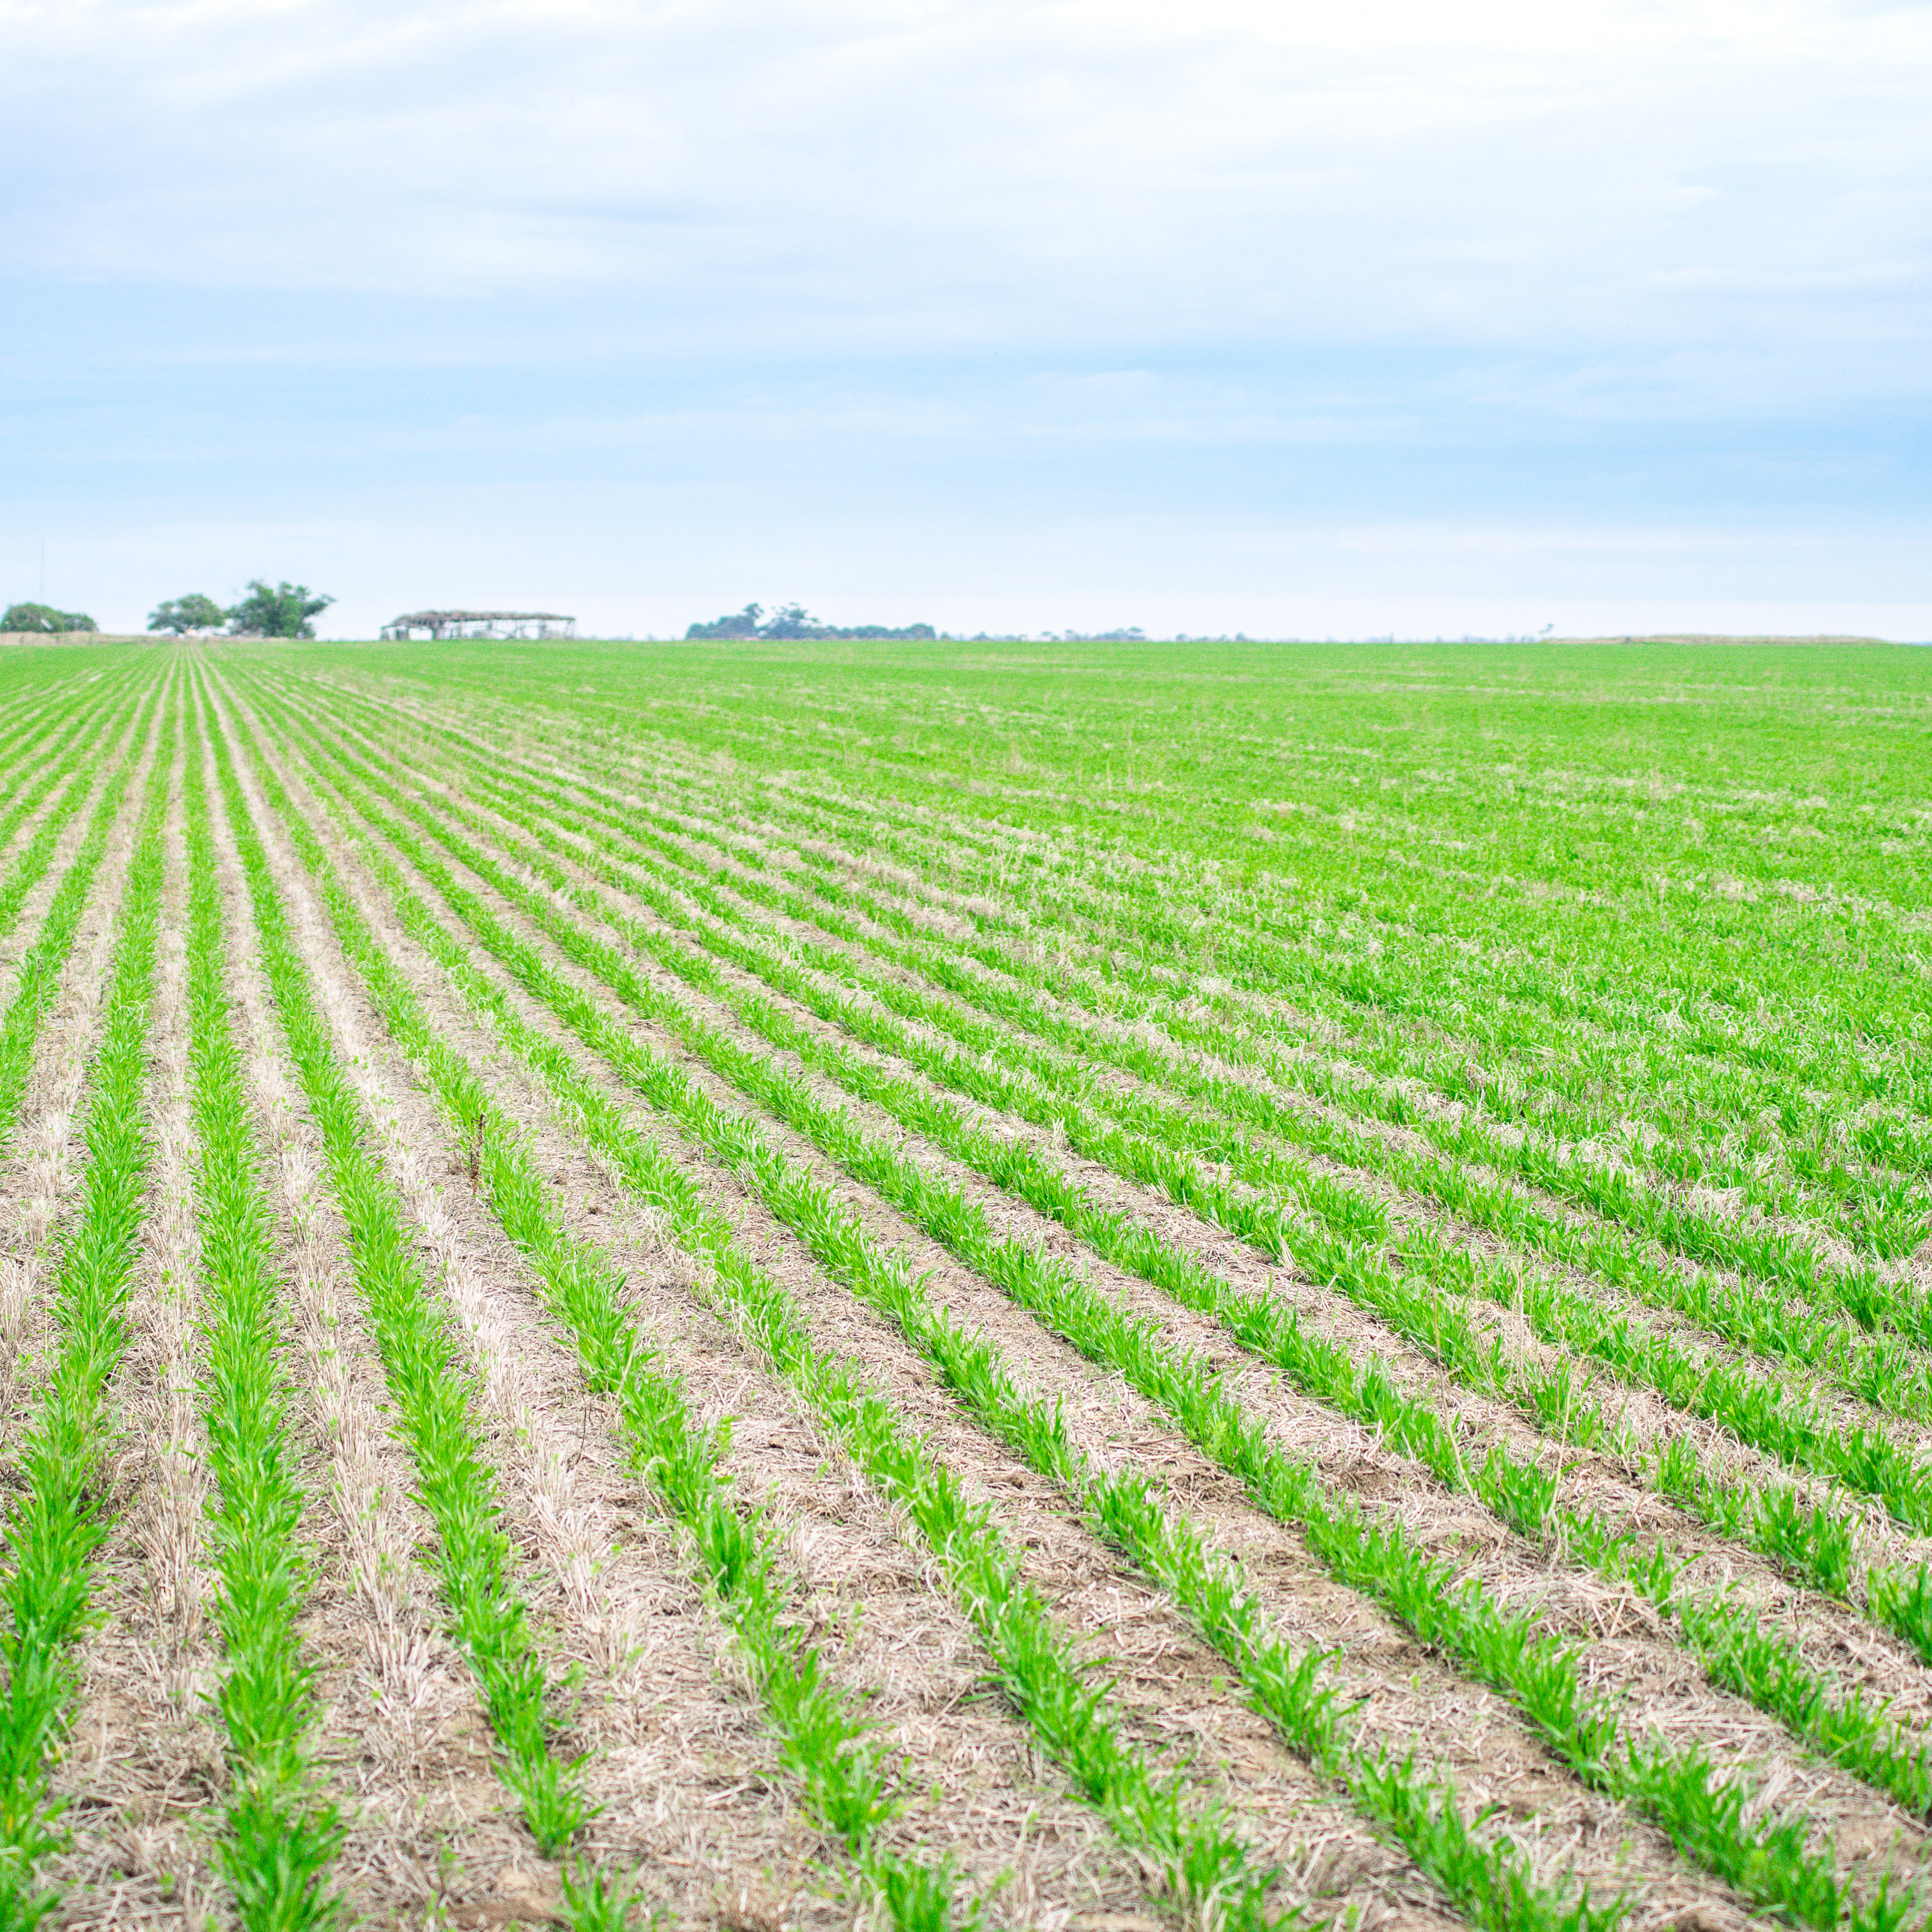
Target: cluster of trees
{"points": [[43, 618], [280, 611], [284, 611], [794, 620]]}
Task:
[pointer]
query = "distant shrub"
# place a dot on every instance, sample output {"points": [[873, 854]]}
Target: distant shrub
{"points": [[43, 617]]}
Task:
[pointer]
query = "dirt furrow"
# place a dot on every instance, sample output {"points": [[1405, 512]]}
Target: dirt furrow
{"points": [[918, 1652], [41, 1169], [1170, 1679], [1602, 1481], [146, 1756], [684, 1764]]}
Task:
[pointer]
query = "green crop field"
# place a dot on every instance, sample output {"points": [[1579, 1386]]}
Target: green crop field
{"points": [[1091, 1287]]}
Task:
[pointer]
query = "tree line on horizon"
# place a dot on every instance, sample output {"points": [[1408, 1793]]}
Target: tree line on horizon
{"points": [[794, 620], [283, 609]]}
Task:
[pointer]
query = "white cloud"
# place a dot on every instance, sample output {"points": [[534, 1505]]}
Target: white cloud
{"points": [[973, 172]]}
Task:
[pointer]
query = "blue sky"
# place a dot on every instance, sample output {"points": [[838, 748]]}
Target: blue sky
{"points": [[1294, 320]]}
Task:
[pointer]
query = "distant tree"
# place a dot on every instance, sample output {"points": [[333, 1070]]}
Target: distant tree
{"points": [[791, 620], [282, 612], [44, 618], [183, 614], [794, 620], [745, 624]]}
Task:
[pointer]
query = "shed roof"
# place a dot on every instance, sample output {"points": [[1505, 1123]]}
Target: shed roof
{"points": [[416, 619]]}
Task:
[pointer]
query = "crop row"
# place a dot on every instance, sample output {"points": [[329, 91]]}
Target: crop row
{"points": [[1352, 989], [1659, 1785], [1157, 1153], [1673, 1110], [1408, 941], [281, 1835], [1161, 1816], [845, 1781], [1814, 1543], [1634, 1213], [486, 1618], [1247, 1031], [57, 1513]]}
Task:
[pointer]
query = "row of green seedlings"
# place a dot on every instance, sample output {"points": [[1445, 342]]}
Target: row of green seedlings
{"points": [[1611, 1250], [1707, 1817], [1862, 1457], [1709, 1131], [1814, 1543], [1165, 894], [38, 976], [47, 691], [56, 1516], [29, 867], [46, 770], [29, 707], [1189, 880], [1331, 1240], [1417, 970], [487, 1618], [847, 1783], [1340, 1223], [970, 909], [1200, 1859], [31, 864], [977, 912], [1174, 896], [1874, 1206], [282, 1835], [916, 847], [1884, 1371], [1543, 1156], [42, 749], [1817, 1166]]}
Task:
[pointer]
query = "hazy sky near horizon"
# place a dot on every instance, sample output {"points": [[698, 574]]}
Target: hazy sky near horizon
{"points": [[1291, 319]]}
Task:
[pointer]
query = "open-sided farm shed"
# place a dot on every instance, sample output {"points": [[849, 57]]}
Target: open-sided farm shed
{"points": [[479, 624]]}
